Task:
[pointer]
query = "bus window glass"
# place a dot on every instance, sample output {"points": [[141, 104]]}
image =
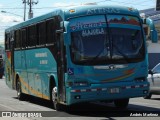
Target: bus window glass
{"points": [[42, 33], [23, 32], [50, 31], [126, 37], [32, 36], [86, 34], [17, 39], [120, 41], [7, 41]]}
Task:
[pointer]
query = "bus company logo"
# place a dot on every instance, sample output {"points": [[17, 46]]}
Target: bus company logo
{"points": [[112, 67]]}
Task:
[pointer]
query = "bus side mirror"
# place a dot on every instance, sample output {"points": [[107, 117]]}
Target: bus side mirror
{"points": [[150, 29], [154, 36], [67, 40], [59, 31], [150, 72]]}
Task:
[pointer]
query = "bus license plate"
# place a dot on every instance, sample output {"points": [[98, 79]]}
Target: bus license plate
{"points": [[113, 90]]}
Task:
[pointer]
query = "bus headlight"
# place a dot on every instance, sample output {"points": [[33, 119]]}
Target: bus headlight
{"points": [[140, 79], [81, 83]]}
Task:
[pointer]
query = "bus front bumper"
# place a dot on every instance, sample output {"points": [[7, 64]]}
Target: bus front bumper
{"points": [[100, 92]]}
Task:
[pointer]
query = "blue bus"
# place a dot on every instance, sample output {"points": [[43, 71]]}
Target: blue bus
{"points": [[79, 54], [1, 62], [1, 67]]}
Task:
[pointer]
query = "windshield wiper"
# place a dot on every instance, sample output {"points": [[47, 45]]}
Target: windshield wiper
{"points": [[105, 47], [121, 53]]}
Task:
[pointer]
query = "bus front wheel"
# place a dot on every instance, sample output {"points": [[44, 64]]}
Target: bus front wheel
{"points": [[55, 99], [1, 76], [148, 96], [19, 90], [121, 103]]}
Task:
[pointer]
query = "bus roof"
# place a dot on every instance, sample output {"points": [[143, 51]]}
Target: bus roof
{"points": [[76, 11], [84, 10]]}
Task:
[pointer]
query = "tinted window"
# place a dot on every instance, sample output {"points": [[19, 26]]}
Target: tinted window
{"points": [[50, 31], [23, 33], [7, 41], [32, 36], [41, 29], [17, 39]]}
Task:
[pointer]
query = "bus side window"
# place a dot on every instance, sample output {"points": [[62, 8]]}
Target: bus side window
{"points": [[50, 27], [23, 33], [41, 33], [7, 41], [17, 39], [32, 38]]}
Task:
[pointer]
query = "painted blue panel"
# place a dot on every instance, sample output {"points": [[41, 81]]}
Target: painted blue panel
{"points": [[40, 64]]}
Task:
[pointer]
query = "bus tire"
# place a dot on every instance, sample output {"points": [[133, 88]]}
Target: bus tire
{"points": [[148, 96], [20, 95], [121, 103], [54, 97], [1, 76]]}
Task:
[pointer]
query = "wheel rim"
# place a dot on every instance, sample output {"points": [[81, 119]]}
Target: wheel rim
{"points": [[54, 95], [18, 90]]}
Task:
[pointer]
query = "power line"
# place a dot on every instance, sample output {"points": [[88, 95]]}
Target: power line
{"points": [[131, 2], [32, 2], [141, 3], [11, 8]]}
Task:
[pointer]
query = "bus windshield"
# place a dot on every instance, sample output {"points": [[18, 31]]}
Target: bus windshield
{"points": [[125, 43], [117, 40]]}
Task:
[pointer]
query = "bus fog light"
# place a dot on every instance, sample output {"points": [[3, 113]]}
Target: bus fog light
{"points": [[145, 91], [80, 83], [70, 84], [77, 97]]}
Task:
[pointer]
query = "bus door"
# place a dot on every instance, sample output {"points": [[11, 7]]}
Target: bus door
{"points": [[61, 66], [12, 59], [23, 57], [23, 53]]}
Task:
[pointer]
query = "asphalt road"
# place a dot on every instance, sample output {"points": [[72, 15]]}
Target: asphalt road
{"points": [[137, 108]]}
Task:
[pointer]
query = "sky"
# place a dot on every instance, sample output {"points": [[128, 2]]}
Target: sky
{"points": [[14, 9]]}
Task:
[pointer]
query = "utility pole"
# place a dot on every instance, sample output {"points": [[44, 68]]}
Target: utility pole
{"points": [[31, 3], [24, 2]]}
